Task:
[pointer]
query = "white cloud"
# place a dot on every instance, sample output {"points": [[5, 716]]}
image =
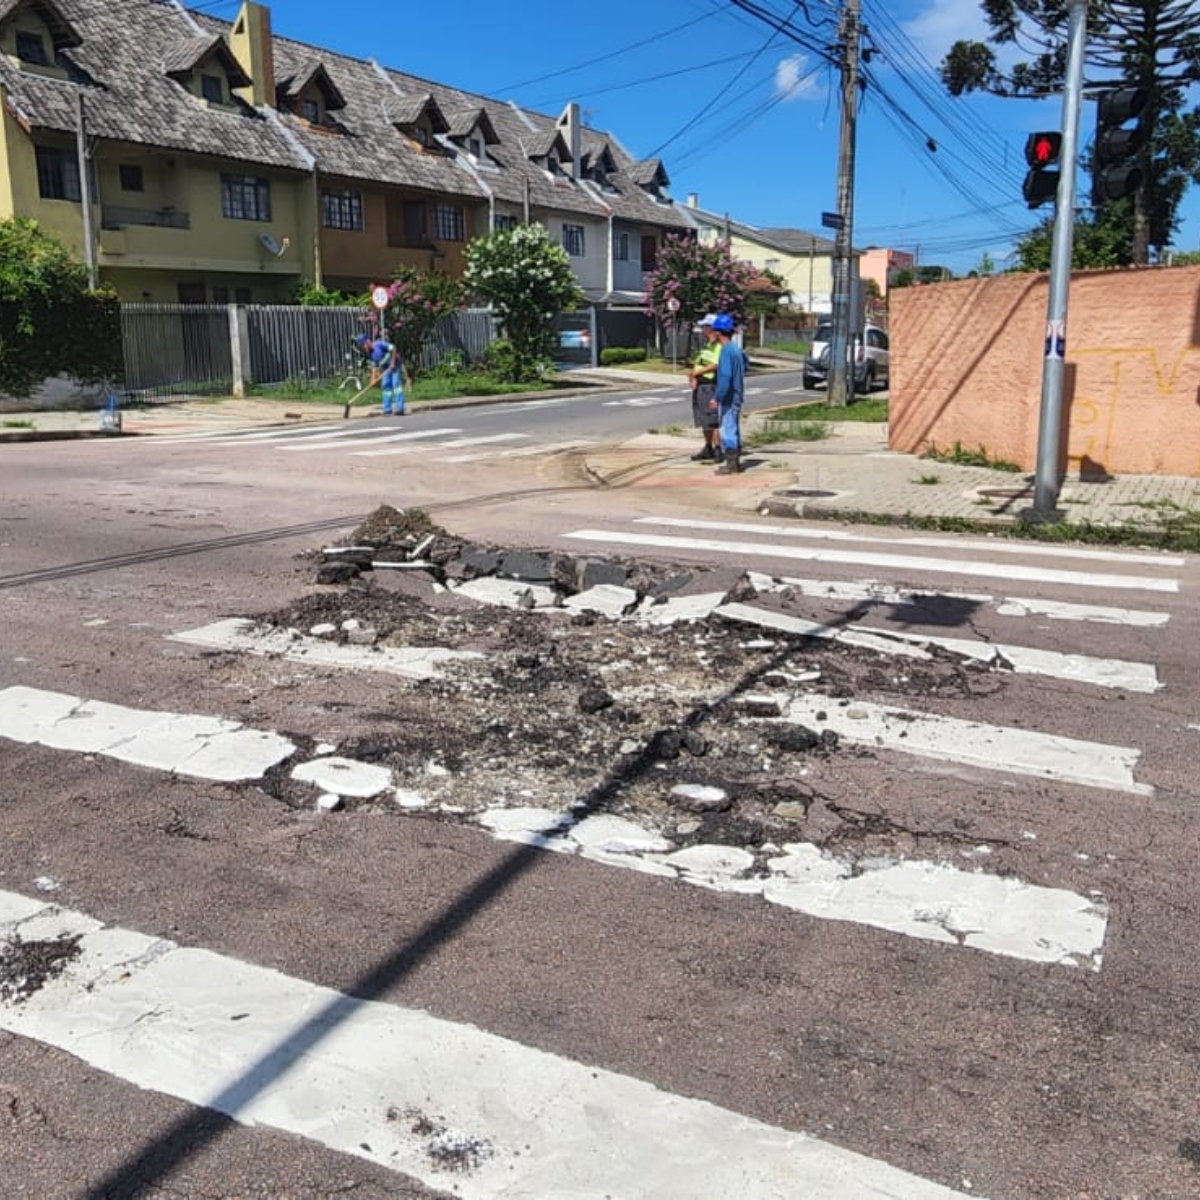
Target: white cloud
{"points": [[943, 23], [794, 79]]}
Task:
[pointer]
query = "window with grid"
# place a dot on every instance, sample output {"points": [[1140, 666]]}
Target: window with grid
{"points": [[212, 88], [449, 223], [572, 240], [621, 247], [504, 221], [31, 48], [310, 110], [58, 174], [245, 198], [343, 210]]}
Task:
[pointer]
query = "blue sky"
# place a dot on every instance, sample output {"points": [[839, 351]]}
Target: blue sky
{"points": [[742, 116]]}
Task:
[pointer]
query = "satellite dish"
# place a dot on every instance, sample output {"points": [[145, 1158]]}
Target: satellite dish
{"points": [[272, 246]]}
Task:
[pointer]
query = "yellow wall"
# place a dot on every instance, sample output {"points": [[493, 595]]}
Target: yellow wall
{"points": [[213, 243]]}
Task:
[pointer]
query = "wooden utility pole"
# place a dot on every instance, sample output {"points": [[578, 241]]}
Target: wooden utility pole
{"points": [[840, 385], [85, 191]]}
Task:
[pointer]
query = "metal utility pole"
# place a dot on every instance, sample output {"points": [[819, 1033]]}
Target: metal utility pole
{"points": [[839, 386], [85, 191], [1048, 475]]}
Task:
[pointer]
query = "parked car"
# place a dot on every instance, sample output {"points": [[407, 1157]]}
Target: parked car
{"points": [[575, 339], [870, 358]]}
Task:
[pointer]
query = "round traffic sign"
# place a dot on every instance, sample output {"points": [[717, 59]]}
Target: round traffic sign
{"points": [[379, 297], [672, 305]]}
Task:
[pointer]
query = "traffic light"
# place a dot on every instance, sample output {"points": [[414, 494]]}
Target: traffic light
{"points": [[1041, 180], [1115, 168]]}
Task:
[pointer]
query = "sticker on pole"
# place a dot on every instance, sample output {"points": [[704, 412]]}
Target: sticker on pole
{"points": [[1056, 339], [379, 297]]}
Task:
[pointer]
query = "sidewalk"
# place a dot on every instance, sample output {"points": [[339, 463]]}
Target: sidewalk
{"points": [[850, 474]]}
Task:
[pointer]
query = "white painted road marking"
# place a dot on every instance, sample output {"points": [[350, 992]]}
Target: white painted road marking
{"points": [[1020, 920], [991, 747], [992, 546], [201, 747], [874, 592], [394, 1085], [895, 562], [1080, 668]]}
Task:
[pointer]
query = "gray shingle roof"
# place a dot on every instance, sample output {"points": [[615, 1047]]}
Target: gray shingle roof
{"points": [[127, 49], [131, 98], [188, 54], [469, 119], [791, 241], [312, 72], [62, 33]]}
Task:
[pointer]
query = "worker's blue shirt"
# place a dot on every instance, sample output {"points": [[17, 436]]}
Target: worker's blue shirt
{"points": [[731, 376]]}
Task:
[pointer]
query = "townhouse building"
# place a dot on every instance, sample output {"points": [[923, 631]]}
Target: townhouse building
{"points": [[804, 260], [191, 159]]}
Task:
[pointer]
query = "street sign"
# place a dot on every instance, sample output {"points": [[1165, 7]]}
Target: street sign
{"points": [[379, 297], [832, 220]]}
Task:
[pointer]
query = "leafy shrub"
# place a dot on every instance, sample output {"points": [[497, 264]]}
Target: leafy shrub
{"points": [[612, 356], [50, 323]]}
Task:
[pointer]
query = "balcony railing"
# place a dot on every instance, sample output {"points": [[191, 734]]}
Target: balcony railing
{"points": [[115, 217]]}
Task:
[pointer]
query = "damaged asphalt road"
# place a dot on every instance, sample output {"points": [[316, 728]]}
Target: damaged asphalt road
{"points": [[576, 709]]}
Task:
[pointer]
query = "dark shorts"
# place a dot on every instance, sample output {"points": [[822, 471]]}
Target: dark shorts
{"points": [[704, 407]]}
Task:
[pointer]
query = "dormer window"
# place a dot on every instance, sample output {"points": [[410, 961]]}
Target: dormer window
{"points": [[212, 88], [475, 146], [310, 110], [31, 48]]}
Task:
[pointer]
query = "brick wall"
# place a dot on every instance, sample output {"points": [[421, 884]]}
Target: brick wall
{"points": [[966, 366]]}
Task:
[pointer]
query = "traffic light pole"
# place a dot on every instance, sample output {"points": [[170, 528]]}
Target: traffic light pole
{"points": [[1051, 431]]}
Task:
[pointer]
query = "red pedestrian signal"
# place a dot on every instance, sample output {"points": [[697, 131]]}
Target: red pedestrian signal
{"points": [[1042, 149], [1042, 152]]}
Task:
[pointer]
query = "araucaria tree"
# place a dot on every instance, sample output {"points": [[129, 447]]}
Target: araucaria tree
{"points": [[417, 300], [1151, 44], [702, 277], [527, 279]]}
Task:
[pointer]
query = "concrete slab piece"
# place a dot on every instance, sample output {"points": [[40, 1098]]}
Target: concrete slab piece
{"points": [[345, 776], [244, 636]]}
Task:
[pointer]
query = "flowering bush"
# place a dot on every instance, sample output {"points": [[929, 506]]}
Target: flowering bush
{"points": [[704, 278], [527, 279], [417, 300]]}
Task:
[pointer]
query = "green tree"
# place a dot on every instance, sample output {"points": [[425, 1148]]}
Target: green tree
{"points": [[1100, 241], [527, 279], [1152, 44], [702, 277], [417, 301], [310, 295], [49, 321]]}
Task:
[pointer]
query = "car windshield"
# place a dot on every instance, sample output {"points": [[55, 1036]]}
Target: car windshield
{"points": [[824, 333]]}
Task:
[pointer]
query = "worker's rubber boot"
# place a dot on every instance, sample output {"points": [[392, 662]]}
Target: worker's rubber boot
{"points": [[732, 464]]}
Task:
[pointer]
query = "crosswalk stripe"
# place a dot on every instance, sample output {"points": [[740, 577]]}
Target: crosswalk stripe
{"points": [[987, 570], [873, 592], [992, 747], [1080, 668], [923, 900], [400, 1088], [993, 546], [412, 435], [519, 452]]}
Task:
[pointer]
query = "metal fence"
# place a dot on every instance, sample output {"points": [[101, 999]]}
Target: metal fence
{"points": [[172, 349], [175, 350]]}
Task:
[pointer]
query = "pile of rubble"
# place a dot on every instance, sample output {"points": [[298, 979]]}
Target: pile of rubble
{"points": [[600, 686]]}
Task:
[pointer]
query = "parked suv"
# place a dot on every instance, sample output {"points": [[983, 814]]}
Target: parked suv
{"points": [[870, 358]]}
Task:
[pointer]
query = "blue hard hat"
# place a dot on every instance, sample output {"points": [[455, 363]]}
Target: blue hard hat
{"points": [[361, 340], [723, 323]]}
